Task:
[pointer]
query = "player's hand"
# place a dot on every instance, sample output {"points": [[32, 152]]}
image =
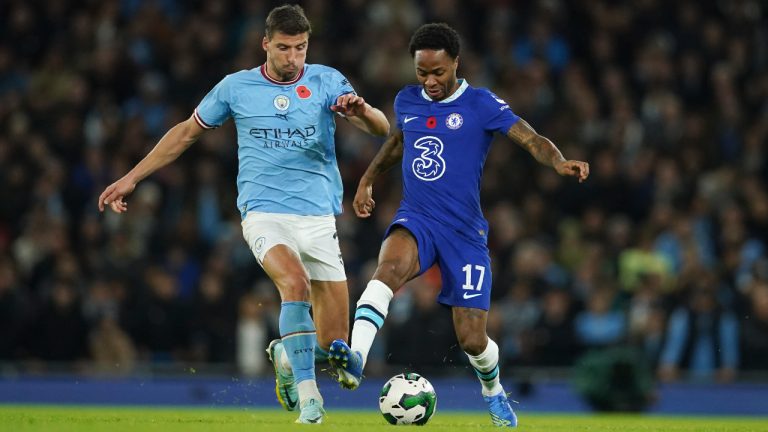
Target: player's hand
{"points": [[573, 168], [364, 203], [113, 195], [350, 105]]}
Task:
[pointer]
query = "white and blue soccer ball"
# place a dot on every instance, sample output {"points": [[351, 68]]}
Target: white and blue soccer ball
{"points": [[408, 398]]}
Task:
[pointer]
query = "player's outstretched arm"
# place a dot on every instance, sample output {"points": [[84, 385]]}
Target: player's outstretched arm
{"points": [[388, 156], [361, 114], [170, 146], [546, 152]]}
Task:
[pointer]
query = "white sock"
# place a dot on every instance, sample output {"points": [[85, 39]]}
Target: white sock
{"points": [[372, 309], [486, 366], [308, 390]]}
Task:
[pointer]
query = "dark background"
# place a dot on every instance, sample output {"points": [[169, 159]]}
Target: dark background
{"points": [[667, 100]]}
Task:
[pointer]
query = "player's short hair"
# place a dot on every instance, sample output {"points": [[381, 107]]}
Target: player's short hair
{"points": [[436, 36], [288, 19]]}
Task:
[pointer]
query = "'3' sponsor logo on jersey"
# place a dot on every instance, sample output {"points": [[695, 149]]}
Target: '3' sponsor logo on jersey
{"points": [[430, 166]]}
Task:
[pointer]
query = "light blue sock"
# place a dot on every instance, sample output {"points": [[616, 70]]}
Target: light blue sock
{"points": [[298, 333], [321, 355]]}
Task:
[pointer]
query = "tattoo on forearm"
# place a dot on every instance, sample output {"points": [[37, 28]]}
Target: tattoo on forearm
{"points": [[541, 148], [544, 150], [388, 156]]}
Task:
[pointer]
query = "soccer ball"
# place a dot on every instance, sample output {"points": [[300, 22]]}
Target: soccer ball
{"points": [[408, 399]]}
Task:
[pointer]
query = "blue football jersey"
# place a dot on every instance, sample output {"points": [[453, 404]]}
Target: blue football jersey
{"points": [[285, 137], [445, 146]]}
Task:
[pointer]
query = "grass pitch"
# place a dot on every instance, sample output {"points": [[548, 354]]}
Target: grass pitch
{"points": [[118, 419]]}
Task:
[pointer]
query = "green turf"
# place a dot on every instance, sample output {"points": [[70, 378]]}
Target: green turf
{"points": [[82, 419]]}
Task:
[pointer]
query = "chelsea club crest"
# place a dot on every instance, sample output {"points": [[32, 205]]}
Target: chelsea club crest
{"points": [[281, 102], [454, 121]]}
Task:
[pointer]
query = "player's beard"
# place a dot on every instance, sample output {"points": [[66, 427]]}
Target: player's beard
{"points": [[287, 74], [283, 74]]}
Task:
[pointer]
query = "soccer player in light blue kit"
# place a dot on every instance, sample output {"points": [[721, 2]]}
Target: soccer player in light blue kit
{"points": [[289, 191], [445, 127]]}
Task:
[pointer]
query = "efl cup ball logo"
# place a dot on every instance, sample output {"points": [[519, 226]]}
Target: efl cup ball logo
{"points": [[454, 121], [282, 102], [430, 166]]}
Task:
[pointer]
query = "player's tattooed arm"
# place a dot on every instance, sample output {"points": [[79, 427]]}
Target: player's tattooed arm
{"points": [[545, 151], [390, 154], [538, 146]]}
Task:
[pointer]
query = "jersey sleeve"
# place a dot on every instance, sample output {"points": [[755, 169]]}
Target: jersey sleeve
{"points": [[337, 85], [398, 117], [495, 112], [214, 110]]}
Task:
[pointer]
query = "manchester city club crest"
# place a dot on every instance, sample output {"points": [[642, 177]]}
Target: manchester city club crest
{"points": [[454, 121], [259, 244], [281, 102]]}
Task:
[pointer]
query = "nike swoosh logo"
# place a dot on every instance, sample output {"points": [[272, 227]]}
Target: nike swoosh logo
{"points": [[468, 296], [291, 403], [407, 119]]}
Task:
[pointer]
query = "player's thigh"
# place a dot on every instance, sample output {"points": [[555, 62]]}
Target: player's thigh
{"points": [[272, 240], [465, 269], [330, 309], [319, 248], [470, 325], [398, 259], [284, 267]]}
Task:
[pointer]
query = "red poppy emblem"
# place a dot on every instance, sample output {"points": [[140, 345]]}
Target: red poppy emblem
{"points": [[303, 92], [431, 122]]}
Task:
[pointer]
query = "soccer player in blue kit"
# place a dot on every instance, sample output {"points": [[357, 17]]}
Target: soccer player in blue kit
{"points": [[444, 130], [289, 190]]}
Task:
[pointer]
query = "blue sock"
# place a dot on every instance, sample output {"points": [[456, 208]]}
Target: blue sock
{"points": [[298, 333]]}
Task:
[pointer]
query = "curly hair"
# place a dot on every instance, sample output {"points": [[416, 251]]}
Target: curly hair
{"points": [[288, 19], [436, 36]]}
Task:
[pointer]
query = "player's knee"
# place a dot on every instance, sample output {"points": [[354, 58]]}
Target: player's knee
{"points": [[294, 287], [472, 343], [394, 273]]}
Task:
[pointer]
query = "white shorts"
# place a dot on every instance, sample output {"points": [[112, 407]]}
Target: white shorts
{"points": [[313, 238]]}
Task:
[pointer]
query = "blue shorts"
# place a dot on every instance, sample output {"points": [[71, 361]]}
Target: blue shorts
{"points": [[465, 265]]}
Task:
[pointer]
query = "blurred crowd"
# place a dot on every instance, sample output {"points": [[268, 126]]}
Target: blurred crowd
{"points": [[663, 249]]}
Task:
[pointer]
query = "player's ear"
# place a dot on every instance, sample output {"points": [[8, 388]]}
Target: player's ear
{"points": [[264, 43]]}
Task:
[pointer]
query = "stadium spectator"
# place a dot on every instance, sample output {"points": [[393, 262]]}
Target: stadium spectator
{"points": [[702, 337], [554, 340], [754, 329]]}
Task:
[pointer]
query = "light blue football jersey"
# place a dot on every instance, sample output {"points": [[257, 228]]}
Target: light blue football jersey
{"points": [[285, 137]]}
